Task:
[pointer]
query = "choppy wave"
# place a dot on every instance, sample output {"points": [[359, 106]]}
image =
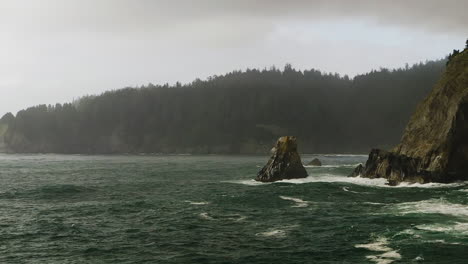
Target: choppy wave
{"points": [[456, 228], [272, 233], [432, 206], [196, 203], [206, 216], [299, 202], [48, 192], [232, 217], [277, 232], [380, 244], [346, 189]]}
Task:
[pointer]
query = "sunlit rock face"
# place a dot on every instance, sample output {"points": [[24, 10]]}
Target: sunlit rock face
{"points": [[285, 162], [434, 146]]}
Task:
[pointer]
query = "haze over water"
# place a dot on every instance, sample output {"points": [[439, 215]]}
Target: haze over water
{"points": [[207, 209]]}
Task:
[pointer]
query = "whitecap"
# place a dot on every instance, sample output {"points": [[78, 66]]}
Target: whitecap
{"points": [[233, 217], [432, 206], [380, 244], [196, 203], [299, 202], [346, 189], [250, 182], [277, 232], [456, 228], [272, 233], [206, 216]]}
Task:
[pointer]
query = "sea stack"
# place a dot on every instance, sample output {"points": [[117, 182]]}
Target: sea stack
{"points": [[285, 162], [434, 146], [315, 162]]}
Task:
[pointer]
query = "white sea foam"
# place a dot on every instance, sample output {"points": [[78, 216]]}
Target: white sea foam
{"points": [[346, 189], [197, 203], [457, 228], [234, 217], [299, 202], [277, 232], [380, 244], [379, 182], [206, 216], [272, 233], [433, 206]]}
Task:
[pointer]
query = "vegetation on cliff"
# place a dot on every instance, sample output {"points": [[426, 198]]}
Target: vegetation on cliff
{"points": [[434, 146]]}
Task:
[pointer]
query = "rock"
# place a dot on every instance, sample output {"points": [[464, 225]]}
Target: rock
{"points": [[434, 146], [285, 162], [315, 162]]}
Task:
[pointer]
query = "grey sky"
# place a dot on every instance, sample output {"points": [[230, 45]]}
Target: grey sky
{"points": [[56, 50]]}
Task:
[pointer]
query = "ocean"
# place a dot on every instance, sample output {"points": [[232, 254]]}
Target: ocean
{"points": [[207, 209]]}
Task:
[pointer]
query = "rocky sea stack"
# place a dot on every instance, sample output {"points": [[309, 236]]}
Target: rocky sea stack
{"points": [[315, 162], [285, 162], [434, 146]]}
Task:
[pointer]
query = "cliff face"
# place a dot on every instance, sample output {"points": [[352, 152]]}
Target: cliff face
{"points": [[434, 146], [285, 162]]}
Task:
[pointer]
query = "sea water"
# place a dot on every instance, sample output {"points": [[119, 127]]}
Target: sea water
{"points": [[207, 209]]}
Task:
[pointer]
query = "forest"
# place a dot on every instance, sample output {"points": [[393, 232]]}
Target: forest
{"points": [[241, 112]]}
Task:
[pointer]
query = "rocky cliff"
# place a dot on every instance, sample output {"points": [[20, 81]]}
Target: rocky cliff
{"points": [[434, 146], [285, 162]]}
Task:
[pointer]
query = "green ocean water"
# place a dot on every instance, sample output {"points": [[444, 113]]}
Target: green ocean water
{"points": [[207, 209]]}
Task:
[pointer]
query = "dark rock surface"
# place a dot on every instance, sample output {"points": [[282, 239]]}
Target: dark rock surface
{"points": [[434, 146], [285, 162], [315, 162]]}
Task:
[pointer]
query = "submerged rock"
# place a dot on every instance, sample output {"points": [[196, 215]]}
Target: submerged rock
{"points": [[434, 146], [315, 162], [285, 162]]}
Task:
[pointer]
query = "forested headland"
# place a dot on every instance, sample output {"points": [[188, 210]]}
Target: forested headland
{"points": [[239, 112]]}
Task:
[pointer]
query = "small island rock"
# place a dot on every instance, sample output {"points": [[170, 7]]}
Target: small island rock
{"points": [[285, 162], [315, 162]]}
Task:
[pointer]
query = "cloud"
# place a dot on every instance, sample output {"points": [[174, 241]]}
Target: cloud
{"points": [[56, 50], [147, 15]]}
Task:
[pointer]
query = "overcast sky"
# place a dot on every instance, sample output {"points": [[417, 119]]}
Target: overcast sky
{"points": [[57, 50]]}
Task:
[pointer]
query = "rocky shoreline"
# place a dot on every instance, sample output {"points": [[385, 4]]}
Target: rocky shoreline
{"points": [[434, 146]]}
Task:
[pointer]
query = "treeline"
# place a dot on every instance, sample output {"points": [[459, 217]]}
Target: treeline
{"points": [[240, 112]]}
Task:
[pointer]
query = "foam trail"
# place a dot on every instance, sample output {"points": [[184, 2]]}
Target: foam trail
{"points": [[273, 233], [276, 232], [299, 202], [346, 189], [196, 203]]}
